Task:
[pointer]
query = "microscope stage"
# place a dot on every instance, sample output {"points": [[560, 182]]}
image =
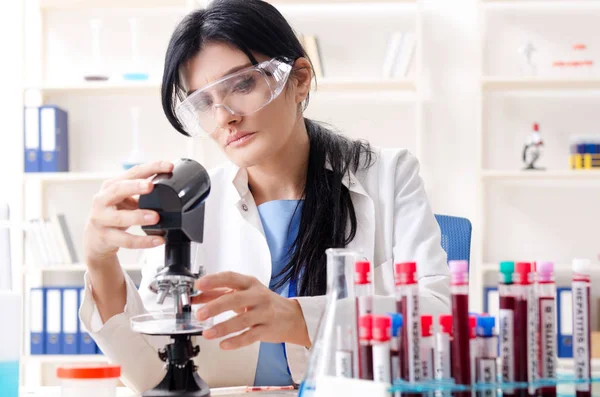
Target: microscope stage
{"points": [[167, 324]]}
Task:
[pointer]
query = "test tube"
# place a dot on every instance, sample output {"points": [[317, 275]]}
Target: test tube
{"points": [[581, 326], [523, 287], [427, 347], [459, 289], [381, 349], [343, 353], [507, 325], [473, 346], [443, 367], [366, 348], [395, 349], [363, 290], [486, 370], [410, 347], [547, 326]]}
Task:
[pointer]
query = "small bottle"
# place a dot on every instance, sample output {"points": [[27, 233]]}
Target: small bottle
{"points": [[427, 347], [581, 326], [507, 325], [473, 346], [365, 347], [486, 368], [363, 290], [381, 349], [522, 288], [459, 288], [408, 288], [546, 327], [395, 349]]}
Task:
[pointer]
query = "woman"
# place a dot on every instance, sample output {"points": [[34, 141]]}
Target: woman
{"points": [[237, 72]]}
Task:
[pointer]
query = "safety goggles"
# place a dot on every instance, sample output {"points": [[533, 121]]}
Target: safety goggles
{"points": [[241, 93]]}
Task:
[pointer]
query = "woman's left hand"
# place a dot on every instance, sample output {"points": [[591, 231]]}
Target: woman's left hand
{"points": [[267, 316]]}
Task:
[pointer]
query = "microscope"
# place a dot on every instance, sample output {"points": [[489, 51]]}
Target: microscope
{"points": [[178, 197]]}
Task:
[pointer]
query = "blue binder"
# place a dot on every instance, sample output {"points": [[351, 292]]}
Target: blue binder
{"points": [[564, 305], [37, 321], [70, 320], [54, 139], [53, 321], [31, 124], [86, 343]]}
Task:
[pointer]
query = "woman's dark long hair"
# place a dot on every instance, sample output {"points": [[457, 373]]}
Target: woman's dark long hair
{"points": [[328, 217]]}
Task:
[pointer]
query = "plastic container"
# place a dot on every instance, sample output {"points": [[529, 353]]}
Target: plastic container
{"points": [[10, 334], [89, 381]]}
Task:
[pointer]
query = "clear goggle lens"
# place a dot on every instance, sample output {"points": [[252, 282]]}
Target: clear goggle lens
{"points": [[241, 93]]}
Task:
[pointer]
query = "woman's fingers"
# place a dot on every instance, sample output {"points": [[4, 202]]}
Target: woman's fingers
{"points": [[123, 239], [210, 295], [226, 280], [143, 171], [234, 324], [247, 338], [118, 191], [233, 301], [126, 218]]}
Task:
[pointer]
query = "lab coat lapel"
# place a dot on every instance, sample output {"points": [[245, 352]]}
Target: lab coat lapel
{"points": [[364, 241], [252, 239]]}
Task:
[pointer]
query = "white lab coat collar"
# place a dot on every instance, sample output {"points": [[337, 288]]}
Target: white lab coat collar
{"points": [[239, 195], [239, 180]]}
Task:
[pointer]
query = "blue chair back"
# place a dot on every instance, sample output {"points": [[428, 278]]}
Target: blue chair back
{"points": [[456, 236]]}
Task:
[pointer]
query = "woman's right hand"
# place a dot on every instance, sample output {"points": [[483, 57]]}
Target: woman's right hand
{"points": [[115, 209]]}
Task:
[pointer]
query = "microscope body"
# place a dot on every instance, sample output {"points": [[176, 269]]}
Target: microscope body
{"points": [[178, 198]]}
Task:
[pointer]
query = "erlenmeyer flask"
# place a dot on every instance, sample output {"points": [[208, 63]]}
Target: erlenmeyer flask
{"points": [[331, 350]]}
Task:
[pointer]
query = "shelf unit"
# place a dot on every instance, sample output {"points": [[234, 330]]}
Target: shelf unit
{"points": [[593, 175], [541, 86], [538, 84], [70, 4], [74, 268], [38, 88], [153, 87]]}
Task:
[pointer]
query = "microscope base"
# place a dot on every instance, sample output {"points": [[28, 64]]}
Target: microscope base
{"points": [[195, 385], [182, 379]]}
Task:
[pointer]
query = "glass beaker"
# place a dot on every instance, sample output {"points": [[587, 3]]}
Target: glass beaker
{"points": [[330, 352]]}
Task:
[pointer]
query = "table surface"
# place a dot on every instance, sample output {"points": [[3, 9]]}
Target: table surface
{"points": [[125, 392]]}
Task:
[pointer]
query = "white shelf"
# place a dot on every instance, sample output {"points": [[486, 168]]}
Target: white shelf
{"points": [[538, 5], [525, 84], [86, 4], [65, 358], [542, 175], [98, 87], [324, 84], [558, 268], [75, 268], [68, 176]]}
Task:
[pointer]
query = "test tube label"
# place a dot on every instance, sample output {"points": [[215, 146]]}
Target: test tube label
{"points": [[442, 359], [548, 351], [414, 345], [486, 373], [507, 345], [381, 363], [343, 364], [532, 343], [581, 342]]}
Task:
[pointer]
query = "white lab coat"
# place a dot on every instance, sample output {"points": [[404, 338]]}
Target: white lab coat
{"points": [[395, 223]]}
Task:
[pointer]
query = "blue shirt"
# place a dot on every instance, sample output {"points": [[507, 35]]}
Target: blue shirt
{"points": [[281, 221]]}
